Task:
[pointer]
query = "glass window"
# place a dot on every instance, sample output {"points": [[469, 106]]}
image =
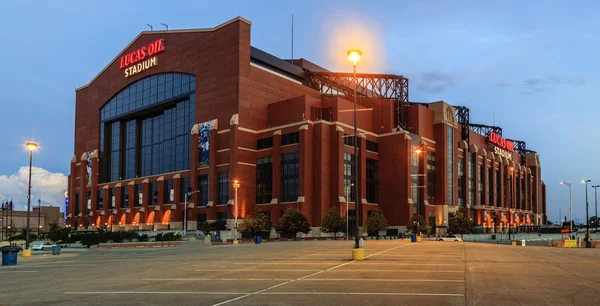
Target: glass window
{"points": [[125, 196], [77, 204], [431, 177], [136, 195], [461, 182], [372, 181], [100, 198], [490, 186], [223, 187], [471, 179], [350, 176], [203, 187], [498, 189], [264, 179], [184, 189], [415, 190], [290, 164], [154, 193], [290, 138], [349, 141], [264, 143], [372, 146], [111, 197], [450, 156], [222, 216], [162, 131], [169, 194], [480, 171]]}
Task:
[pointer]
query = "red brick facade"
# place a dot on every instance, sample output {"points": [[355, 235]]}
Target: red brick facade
{"points": [[245, 102]]}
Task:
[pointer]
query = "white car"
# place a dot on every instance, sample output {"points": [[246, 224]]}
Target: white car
{"points": [[41, 246], [451, 238]]}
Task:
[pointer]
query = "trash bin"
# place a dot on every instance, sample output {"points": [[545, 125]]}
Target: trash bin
{"points": [[493, 237], [257, 239], [9, 255], [56, 250], [413, 238]]}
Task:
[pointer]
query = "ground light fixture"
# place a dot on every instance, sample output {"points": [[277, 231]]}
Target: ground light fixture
{"points": [[31, 146], [358, 253], [236, 185]]}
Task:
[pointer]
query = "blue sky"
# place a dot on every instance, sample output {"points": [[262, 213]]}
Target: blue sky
{"points": [[528, 64]]}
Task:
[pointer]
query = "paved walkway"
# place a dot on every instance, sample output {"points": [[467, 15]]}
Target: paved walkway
{"points": [[310, 273]]}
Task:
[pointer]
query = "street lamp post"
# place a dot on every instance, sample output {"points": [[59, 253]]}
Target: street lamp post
{"points": [[348, 189], [39, 216], [31, 146], [570, 206], [236, 185], [510, 189], [596, 204], [185, 202], [587, 220], [354, 56]]}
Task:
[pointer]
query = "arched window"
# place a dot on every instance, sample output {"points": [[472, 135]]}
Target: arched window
{"points": [[144, 129]]}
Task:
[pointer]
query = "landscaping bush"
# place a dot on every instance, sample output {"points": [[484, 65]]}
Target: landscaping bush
{"points": [[143, 238], [158, 237]]}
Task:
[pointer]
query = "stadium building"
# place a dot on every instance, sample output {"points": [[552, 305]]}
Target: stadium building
{"points": [[193, 110]]}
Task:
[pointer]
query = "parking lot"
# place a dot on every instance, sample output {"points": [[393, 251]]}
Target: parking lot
{"points": [[307, 273]]}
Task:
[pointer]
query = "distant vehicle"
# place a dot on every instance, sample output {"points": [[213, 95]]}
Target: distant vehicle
{"points": [[451, 238], [41, 246]]}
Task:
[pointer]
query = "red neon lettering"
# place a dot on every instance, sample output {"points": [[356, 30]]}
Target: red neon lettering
{"points": [[141, 53], [501, 142]]}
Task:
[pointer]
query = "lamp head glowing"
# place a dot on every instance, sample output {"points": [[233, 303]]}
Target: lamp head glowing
{"points": [[354, 56], [31, 146]]}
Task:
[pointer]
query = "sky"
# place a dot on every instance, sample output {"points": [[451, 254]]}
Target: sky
{"points": [[527, 66]]}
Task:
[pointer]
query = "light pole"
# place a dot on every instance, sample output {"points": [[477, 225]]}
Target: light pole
{"points": [[236, 185], [188, 194], [510, 190], [348, 190], [39, 216], [596, 204], [30, 146], [587, 220], [354, 56], [570, 206]]}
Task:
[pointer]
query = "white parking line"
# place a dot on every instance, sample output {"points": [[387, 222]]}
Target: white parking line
{"points": [[153, 292], [261, 293], [11, 272], [283, 263], [385, 280], [303, 277], [363, 293], [396, 270], [217, 279], [261, 270]]}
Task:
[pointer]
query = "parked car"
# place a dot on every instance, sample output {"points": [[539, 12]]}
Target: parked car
{"points": [[41, 246], [451, 238]]}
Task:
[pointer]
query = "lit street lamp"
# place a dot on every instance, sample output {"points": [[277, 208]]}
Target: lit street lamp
{"points": [[236, 185], [587, 220], [354, 56], [570, 206], [31, 146], [348, 190]]}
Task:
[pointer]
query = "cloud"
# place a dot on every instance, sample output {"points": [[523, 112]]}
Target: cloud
{"points": [[48, 186], [436, 82], [534, 85]]}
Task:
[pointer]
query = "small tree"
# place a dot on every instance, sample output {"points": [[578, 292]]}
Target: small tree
{"points": [[293, 222], [333, 222], [417, 225], [255, 223], [206, 227], [376, 222], [460, 223]]}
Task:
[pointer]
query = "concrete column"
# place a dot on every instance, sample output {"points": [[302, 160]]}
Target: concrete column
{"points": [[276, 175], [305, 150]]}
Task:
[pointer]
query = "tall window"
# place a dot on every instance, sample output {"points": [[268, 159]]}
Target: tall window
{"points": [[461, 182], [510, 191], [125, 196], [130, 141], [372, 146], [155, 113], [349, 141], [153, 193], [450, 156], [169, 193], [111, 197], [523, 200], [203, 187], [471, 178], [136, 195], [184, 189], [349, 177], [415, 189], [290, 164], [498, 189], [77, 204], [518, 191], [100, 197], [490, 186], [115, 151], [372, 182], [223, 187], [431, 177], [264, 179], [290, 138], [480, 173]]}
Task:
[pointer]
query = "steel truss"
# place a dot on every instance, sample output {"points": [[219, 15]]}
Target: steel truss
{"points": [[381, 86]]}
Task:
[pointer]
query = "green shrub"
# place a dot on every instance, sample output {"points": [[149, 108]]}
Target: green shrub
{"points": [[143, 238], [158, 237]]}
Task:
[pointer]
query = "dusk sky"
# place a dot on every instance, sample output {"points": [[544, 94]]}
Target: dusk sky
{"points": [[528, 66]]}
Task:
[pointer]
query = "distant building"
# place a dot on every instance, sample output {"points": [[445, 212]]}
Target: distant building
{"points": [[18, 219], [195, 109]]}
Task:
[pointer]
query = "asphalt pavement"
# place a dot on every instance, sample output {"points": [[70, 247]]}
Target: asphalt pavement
{"points": [[395, 272]]}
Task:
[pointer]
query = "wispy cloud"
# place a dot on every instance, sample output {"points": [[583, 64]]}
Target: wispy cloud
{"points": [[536, 85], [45, 185], [436, 82]]}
